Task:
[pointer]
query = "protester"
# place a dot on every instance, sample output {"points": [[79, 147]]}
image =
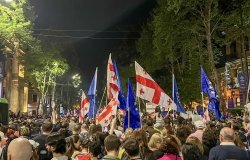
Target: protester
{"points": [[132, 148], [155, 144], [210, 139], [191, 152], [83, 154], [84, 131], [41, 139], [72, 123], [227, 148], [74, 143], [197, 142], [171, 148], [182, 133], [111, 144], [150, 127], [76, 129], [56, 144], [20, 149], [141, 136], [199, 130], [95, 149]]}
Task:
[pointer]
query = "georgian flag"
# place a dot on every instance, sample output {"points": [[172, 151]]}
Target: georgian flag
{"points": [[84, 107], [148, 89], [108, 113], [112, 84]]}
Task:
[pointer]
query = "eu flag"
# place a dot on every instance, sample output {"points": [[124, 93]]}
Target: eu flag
{"points": [[132, 118], [92, 96], [121, 98], [207, 87], [176, 97]]}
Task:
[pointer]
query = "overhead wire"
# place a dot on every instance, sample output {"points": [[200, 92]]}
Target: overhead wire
{"points": [[86, 37], [86, 30]]}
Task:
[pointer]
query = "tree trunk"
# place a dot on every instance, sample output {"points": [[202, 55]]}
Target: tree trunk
{"points": [[207, 25]]}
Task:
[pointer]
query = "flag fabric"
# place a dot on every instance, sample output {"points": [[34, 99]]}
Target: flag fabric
{"points": [[132, 118], [112, 85], [84, 110], [176, 97], [214, 105], [149, 90], [206, 116], [92, 95], [108, 113], [121, 98], [207, 87]]}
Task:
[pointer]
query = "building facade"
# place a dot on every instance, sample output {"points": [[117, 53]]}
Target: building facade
{"points": [[233, 76], [15, 89]]}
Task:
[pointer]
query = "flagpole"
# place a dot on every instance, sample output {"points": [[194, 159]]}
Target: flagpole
{"points": [[95, 93], [203, 104], [102, 97], [128, 116], [173, 86], [140, 111]]}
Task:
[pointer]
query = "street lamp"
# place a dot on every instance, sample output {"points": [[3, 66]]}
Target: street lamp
{"points": [[76, 80]]}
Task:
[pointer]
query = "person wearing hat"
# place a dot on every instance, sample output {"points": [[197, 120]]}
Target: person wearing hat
{"points": [[199, 130]]}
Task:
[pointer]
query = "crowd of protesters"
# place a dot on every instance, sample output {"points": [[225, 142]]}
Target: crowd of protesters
{"points": [[164, 138]]}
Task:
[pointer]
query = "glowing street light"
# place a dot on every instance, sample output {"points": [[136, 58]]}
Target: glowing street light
{"points": [[76, 80]]}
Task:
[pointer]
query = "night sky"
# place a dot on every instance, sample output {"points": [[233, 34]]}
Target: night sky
{"points": [[92, 26]]}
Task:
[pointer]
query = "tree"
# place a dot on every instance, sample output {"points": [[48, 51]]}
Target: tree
{"points": [[15, 27], [43, 69], [168, 45]]}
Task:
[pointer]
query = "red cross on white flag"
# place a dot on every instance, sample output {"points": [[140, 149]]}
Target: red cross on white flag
{"points": [[105, 117], [84, 107], [148, 89], [112, 84]]}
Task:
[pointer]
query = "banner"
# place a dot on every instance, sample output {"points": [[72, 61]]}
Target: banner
{"points": [[242, 79]]}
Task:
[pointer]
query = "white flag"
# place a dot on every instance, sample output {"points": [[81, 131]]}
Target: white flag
{"points": [[149, 90]]}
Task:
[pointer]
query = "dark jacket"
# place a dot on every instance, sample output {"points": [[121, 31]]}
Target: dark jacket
{"points": [[223, 152], [42, 151]]}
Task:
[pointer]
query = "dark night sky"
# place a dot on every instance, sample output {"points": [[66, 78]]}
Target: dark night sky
{"points": [[95, 18]]}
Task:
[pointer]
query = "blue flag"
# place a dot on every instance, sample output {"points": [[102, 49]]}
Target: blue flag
{"points": [[132, 118], [214, 105], [92, 96], [176, 97], [207, 87], [121, 98]]}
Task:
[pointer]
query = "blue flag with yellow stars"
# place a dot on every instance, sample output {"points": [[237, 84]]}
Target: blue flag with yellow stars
{"points": [[176, 97], [207, 87], [132, 118]]}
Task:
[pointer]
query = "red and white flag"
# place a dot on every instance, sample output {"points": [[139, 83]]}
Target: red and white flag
{"points": [[108, 113], [206, 116], [148, 89], [112, 84], [84, 107]]}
